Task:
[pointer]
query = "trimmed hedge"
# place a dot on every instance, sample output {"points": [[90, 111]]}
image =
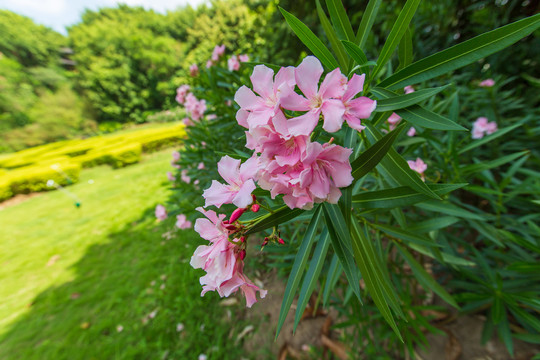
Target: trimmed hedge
{"points": [[34, 178], [30, 169]]}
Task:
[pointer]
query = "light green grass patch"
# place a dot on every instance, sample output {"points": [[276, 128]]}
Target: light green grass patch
{"points": [[113, 269]]}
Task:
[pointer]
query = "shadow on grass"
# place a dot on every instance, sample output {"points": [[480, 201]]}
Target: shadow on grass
{"points": [[134, 296]]}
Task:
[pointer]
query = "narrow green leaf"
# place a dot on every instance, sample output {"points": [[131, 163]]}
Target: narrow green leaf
{"points": [[437, 223], [449, 209], [332, 37], [345, 201], [402, 101], [399, 197], [396, 170], [462, 54], [399, 28], [406, 236], [310, 40], [355, 52], [425, 279], [312, 275], [341, 243], [340, 20], [474, 168], [405, 50], [279, 216], [334, 272], [417, 115], [367, 22], [377, 284], [447, 258], [486, 139], [298, 268], [364, 163]]}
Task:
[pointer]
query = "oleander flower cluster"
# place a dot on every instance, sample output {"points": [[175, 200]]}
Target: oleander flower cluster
{"points": [[482, 126], [280, 114]]}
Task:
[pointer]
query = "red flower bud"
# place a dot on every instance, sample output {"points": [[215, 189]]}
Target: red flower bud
{"points": [[281, 241], [236, 214], [242, 254], [255, 207], [242, 239]]}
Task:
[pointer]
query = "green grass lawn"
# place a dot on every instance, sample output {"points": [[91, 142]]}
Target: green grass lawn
{"points": [[113, 271]]}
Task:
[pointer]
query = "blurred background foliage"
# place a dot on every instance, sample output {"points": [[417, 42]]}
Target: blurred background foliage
{"points": [[121, 65]]}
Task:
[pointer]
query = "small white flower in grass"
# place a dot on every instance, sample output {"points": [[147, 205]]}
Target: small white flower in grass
{"points": [[162, 287], [152, 314], [202, 357], [119, 328], [179, 327]]}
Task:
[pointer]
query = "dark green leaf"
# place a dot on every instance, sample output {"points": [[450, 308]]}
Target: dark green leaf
{"points": [[399, 28], [298, 268], [402, 101], [405, 51], [479, 142], [399, 197], [364, 163], [334, 272], [462, 54], [367, 22], [425, 279], [449, 209], [312, 275], [332, 37], [378, 285], [474, 168], [396, 170], [340, 20], [310, 40], [279, 216], [437, 223], [406, 236], [355, 52], [341, 243], [417, 115]]}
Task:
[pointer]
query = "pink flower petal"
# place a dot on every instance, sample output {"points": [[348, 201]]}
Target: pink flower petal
{"points": [[333, 111], [262, 79], [307, 76]]}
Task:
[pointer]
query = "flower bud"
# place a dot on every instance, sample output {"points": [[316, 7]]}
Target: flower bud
{"points": [[281, 241], [236, 215], [255, 207], [242, 239], [242, 254]]}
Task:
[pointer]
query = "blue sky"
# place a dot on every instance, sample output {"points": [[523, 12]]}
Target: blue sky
{"points": [[58, 14]]}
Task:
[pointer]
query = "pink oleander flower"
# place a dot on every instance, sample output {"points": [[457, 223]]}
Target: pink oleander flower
{"points": [[211, 117], [176, 155], [408, 89], [487, 83], [393, 121], [184, 176], [257, 110], [182, 222], [481, 127], [325, 99], [419, 166], [170, 176], [359, 108], [209, 64], [243, 58], [411, 132], [181, 93], [219, 50], [491, 127], [242, 282], [326, 169], [240, 183], [228, 102], [161, 212], [200, 166], [193, 70], [187, 121], [233, 63], [222, 260], [194, 107]]}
